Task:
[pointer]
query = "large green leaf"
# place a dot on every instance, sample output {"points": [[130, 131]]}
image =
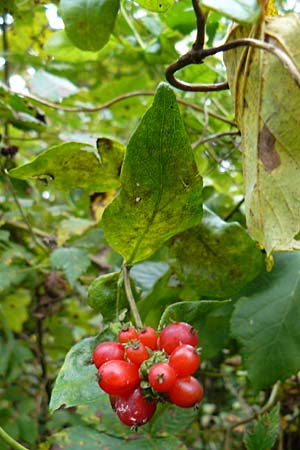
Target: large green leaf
{"points": [[266, 323], [156, 5], [73, 165], [77, 437], [265, 432], [73, 261], [76, 382], [270, 127], [161, 189], [210, 318], [215, 259], [89, 23], [239, 10], [15, 308]]}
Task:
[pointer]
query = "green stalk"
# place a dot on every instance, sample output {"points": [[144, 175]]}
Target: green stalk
{"points": [[130, 297], [10, 441]]}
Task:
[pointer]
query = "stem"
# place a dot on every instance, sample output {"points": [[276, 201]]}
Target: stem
{"points": [[10, 441], [132, 27], [131, 300]]}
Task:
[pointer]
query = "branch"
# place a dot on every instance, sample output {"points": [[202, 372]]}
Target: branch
{"points": [[197, 54], [10, 441], [131, 300], [214, 137]]}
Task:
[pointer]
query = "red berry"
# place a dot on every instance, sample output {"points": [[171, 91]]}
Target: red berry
{"points": [[126, 334], [136, 352], [148, 337], [107, 351], [133, 409], [184, 360], [162, 377], [117, 377], [186, 392], [175, 334]]}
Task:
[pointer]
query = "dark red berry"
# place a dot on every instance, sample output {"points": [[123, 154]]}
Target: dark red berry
{"points": [[127, 333], [148, 337], [184, 360], [186, 392], [133, 409], [136, 352]]}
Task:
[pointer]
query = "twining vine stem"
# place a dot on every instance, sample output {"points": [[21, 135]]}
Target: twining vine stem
{"points": [[130, 297], [10, 441], [197, 54]]}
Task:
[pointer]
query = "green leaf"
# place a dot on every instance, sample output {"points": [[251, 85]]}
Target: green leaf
{"points": [[89, 23], [15, 308], [90, 439], [270, 141], [216, 259], [73, 261], [210, 318], [246, 11], [106, 297], [73, 165], [147, 273], [266, 323], [161, 189], [11, 275], [72, 227], [156, 5], [20, 112], [49, 86], [76, 382], [265, 432]]}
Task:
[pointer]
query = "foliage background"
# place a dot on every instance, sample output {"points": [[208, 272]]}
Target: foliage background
{"points": [[52, 243]]}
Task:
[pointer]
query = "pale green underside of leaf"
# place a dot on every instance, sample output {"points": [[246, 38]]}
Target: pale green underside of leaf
{"points": [[267, 102], [156, 5], [215, 259], [73, 261], [161, 191], [266, 323], [77, 165], [246, 11], [89, 23], [49, 86]]}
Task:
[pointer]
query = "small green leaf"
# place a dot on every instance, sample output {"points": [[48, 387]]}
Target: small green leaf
{"points": [[72, 227], [73, 261], [76, 382], [161, 188], [246, 11], [46, 85], [156, 5], [11, 275], [210, 318], [106, 297], [266, 323], [216, 259], [15, 308], [89, 23], [265, 432], [77, 165]]}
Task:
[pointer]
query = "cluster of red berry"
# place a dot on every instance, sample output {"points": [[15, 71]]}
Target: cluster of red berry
{"points": [[142, 369]]}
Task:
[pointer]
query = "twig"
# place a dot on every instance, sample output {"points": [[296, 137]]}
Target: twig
{"points": [[197, 54], [214, 137], [111, 102], [131, 300], [233, 210], [10, 441]]}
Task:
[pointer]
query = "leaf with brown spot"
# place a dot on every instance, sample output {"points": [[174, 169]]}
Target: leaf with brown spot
{"points": [[267, 104]]}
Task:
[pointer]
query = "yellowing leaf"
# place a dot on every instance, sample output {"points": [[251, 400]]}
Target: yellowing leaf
{"points": [[267, 103]]}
